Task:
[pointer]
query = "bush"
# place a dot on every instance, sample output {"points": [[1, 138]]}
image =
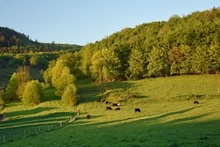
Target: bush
{"points": [[2, 103], [33, 93], [69, 96]]}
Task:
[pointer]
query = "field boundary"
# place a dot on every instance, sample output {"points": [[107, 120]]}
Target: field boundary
{"points": [[21, 134]]}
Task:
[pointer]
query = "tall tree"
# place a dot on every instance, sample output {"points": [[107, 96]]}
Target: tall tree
{"points": [[23, 77], [97, 67], [63, 81], [175, 61], [158, 65], [72, 61], [186, 57], [86, 61], [213, 63], [57, 71], [112, 64], [137, 64], [199, 61], [47, 75]]}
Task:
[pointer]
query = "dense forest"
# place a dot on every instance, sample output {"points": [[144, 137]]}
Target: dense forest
{"points": [[180, 46]]}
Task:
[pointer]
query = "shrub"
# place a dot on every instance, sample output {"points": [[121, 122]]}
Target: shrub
{"points": [[33, 93], [2, 103], [69, 96]]}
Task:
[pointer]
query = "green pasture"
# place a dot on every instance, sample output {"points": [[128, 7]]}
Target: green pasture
{"points": [[168, 116]]}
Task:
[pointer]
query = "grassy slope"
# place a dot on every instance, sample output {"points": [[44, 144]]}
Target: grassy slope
{"points": [[168, 116]]}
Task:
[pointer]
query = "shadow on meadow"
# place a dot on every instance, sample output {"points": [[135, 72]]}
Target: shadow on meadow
{"points": [[89, 92], [22, 123], [155, 130], [134, 117], [136, 130], [29, 112]]}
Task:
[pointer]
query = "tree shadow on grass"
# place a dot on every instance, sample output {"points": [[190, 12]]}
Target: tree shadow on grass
{"points": [[20, 124], [154, 131], [90, 92], [149, 119], [29, 112]]}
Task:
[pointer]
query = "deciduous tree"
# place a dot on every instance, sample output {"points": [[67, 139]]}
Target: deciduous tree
{"points": [[70, 95], [63, 81], [137, 64], [33, 93]]}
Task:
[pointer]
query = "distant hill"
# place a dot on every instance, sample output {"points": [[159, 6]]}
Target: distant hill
{"points": [[9, 38], [12, 41]]}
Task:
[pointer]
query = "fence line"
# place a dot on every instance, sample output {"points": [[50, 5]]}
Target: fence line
{"points": [[12, 136]]}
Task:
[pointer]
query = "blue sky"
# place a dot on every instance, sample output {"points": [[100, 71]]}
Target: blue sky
{"points": [[86, 21]]}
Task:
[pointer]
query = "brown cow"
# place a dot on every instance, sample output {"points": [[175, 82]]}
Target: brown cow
{"points": [[108, 108], [88, 116], [137, 110], [118, 109], [196, 102], [115, 104]]}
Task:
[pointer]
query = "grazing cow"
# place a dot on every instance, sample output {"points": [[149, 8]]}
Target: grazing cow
{"points": [[115, 104], [196, 102], [88, 116], [118, 109], [106, 102], [108, 108], [137, 110]]}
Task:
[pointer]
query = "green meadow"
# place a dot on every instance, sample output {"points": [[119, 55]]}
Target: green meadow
{"points": [[168, 117]]}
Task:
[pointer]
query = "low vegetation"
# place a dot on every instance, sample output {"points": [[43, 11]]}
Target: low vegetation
{"points": [[168, 116]]}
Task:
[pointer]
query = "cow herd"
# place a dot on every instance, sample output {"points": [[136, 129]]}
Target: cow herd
{"points": [[118, 108], [114, 106]]}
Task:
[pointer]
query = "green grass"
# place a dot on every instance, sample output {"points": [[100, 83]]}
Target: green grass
{"points": [[168, 118]]}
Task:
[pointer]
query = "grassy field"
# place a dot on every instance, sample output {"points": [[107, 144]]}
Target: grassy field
{"points": [[168, 116]]}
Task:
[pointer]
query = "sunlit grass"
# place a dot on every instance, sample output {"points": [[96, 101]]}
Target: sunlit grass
{"points": [[168, 117]]}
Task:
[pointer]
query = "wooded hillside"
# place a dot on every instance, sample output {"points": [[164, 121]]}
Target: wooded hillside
{"points": [[182, 45], [14, 42]]}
